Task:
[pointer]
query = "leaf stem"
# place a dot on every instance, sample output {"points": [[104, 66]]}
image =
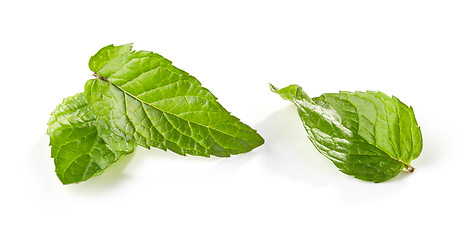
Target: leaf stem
{"points": [[409, 168], [98, 76]]}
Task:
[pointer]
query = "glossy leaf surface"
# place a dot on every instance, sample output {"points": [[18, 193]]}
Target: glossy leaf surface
{"points": [[368, 135]]}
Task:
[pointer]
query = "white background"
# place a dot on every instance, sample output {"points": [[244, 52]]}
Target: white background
{"points": [[282, 190]]}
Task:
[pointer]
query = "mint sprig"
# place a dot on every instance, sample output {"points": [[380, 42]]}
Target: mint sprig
{"points": [[140, 98]]}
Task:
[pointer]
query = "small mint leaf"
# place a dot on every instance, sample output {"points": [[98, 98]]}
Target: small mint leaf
{"points": [[81, 146], [368, 135]]}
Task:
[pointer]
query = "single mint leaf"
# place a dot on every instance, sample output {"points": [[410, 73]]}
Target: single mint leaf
{"points": [[368, 135], [143, 97], [82, 146]]}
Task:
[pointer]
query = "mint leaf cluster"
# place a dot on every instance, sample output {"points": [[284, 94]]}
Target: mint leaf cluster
{"points": [[140, 98], [368, 135]]}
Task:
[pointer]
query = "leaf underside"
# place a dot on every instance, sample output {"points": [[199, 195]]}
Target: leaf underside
{"points": [[368, 135], [140, 98]]}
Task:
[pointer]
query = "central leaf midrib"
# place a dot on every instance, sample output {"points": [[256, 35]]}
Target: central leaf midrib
{"points": [[157, 108]]}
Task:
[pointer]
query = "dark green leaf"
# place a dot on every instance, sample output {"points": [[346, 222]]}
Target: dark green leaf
{"points": [[368, 135]]}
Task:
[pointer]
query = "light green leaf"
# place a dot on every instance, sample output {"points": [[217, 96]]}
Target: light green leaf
{"points": [[368, 135], [82, 147], [108, 55], [143, 97]]}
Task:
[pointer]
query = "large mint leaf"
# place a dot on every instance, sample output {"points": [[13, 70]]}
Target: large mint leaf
{"points": [[143, 97], [368, 135], [82, 146]]}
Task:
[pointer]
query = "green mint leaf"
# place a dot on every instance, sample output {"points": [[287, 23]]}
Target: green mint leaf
{"points": [[143, 97], [140, 98], [368, 135], [82, 146]]}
